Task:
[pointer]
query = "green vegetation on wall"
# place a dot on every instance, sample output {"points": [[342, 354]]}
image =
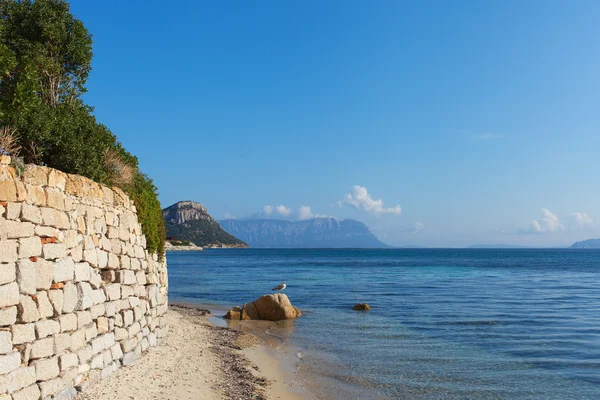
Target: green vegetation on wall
{"points": [[45, 60]]}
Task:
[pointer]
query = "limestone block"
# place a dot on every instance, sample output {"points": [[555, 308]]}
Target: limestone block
{"points": [[70, 296], [98, 296], [36, 175], [84, 295], [85, 354], [140, 276], [98, 310], [26, 276], [9, 362], [115, 244], [125, 262], [35, 195], [55, 198], [78, 340], [82, 272], [68, 322], [31, 213], [29, 393], [57, 179], [62, 342], [80, 224], [129, 344], [121, 334], [46, 369], [8, 190], [91, 256], [27, 310], [91, 332], [44, 274], [30, 247], [64, 269], [95, 279], [8, 316], [8, 273], [127, 317], [110, 309], [51, 387], [84, 318], [72, 238], [77, 253], [113, 261], [134, 329], [102, 257], [47, 327], [113, 291], [56, 298], [126, 291], [55, 218], [68, 361], [152, 339], [20, 378], [134, 301], [97, 362], [44, 306], [23, 333], [52, 251], [6, 342], [42, 348], [135, 264], [46, 231], [16, 229], [102, 324], [8, 250], [126, 277], [13, 210], [105, 244]]}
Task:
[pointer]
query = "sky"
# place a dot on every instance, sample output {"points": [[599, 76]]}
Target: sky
{"points": [[436, 123]]}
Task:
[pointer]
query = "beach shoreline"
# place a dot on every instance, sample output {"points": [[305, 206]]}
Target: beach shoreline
{"points": [[200, 360]]}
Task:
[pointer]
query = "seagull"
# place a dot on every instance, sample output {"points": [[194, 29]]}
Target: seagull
{"points": [[280, 287]]}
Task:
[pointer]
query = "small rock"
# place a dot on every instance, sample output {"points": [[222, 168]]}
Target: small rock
{"points": [[361, 307]]}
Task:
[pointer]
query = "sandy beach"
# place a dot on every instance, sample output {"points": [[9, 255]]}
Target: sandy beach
{"points": [[199, 361]]}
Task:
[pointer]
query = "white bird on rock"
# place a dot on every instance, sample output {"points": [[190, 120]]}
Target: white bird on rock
{"points": [[280, 287]]}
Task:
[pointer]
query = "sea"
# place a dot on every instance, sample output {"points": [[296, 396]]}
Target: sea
{"points": [[444, 323]]}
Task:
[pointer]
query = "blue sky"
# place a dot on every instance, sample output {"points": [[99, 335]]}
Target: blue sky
{"points": [[480, 119]]}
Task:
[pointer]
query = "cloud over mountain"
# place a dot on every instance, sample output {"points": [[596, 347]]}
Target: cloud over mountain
{"points": [[359, 198]]}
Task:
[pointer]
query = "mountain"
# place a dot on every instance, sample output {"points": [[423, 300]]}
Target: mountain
{"points": [[312, 233], [188, 220], [587, 244], [497, 246]]}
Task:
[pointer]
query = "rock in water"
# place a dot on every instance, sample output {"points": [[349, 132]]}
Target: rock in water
{"points": [[361, 307], [234, 313], [270, 307]]}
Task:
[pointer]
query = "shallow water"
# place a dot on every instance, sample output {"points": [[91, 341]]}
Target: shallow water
{"points": [[444, 324]]}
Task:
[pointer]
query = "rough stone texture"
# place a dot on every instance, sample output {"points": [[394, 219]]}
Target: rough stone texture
{"points": [[270, 307], [9, 294], [8, 273], [79, 294]]}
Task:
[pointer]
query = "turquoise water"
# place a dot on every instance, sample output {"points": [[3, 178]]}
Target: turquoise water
{"points": [[497, 324]]}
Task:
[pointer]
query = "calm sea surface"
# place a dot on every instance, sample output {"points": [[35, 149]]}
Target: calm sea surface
{"points": [[479, 324]]}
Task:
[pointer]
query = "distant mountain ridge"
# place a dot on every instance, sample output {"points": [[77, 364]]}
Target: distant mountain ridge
{"points": [[189, 220], [312, 233], [497, 246], [587, 244]]}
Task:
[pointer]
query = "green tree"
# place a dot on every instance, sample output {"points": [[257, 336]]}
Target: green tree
{"points": [[45, 61]]}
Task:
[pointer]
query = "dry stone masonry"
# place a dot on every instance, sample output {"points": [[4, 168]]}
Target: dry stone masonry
{"points": [[80, 296]]}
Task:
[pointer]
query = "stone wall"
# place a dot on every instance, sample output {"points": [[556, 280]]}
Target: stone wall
{"points": [[79, 294]]}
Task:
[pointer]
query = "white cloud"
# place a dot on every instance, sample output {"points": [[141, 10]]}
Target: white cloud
{"points": [[548, 223], [268, 210], [228, 215], [305, 212], [283, 210], [360, 198], [581, 221]]}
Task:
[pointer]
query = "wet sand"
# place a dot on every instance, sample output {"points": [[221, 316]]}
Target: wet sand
{"points": [[199, 360]]}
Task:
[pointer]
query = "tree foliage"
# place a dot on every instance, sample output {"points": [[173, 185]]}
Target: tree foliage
{"points": [[45, 61]]}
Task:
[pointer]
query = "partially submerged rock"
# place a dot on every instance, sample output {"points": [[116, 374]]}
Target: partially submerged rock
{"points": [[361, 307], [270, 307]]}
